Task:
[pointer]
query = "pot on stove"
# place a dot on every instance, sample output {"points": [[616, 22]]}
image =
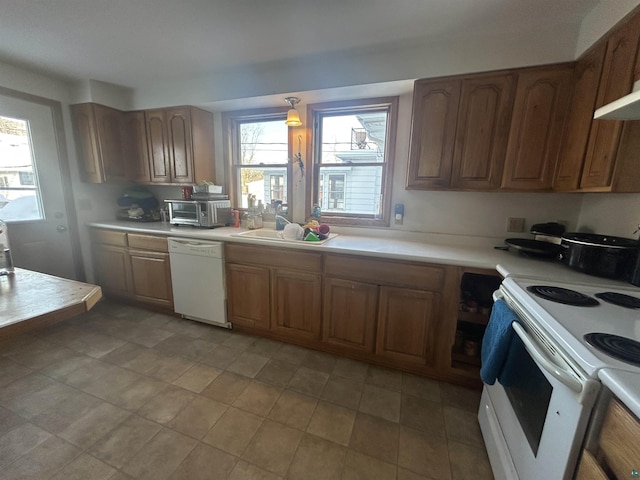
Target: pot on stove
{"points": [[600, 255]]}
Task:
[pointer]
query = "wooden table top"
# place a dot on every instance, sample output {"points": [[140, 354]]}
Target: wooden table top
{"points": [[30, 300]]}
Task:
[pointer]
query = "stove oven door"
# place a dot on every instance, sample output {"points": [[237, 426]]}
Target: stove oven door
{"points": [[534, 417]]}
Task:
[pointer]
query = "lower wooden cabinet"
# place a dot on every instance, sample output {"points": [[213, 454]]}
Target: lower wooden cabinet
{"points": [[296, 303], [405, 321], [111, 267], [274, 289], [248, 301], [133, 266], [349, 314]]}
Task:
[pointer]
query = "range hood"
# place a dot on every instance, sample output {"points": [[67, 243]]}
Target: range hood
{"points": [[625, 108]]}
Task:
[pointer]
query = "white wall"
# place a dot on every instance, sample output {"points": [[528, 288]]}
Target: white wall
{"points": [[600, 20], [610, 214]]}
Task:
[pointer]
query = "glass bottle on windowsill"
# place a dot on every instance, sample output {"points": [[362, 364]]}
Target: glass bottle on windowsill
{"points": [[6, 261]]}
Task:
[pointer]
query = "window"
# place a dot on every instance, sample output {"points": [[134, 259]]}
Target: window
{"points": [[258, 153], [353, 146], [19, 190]]}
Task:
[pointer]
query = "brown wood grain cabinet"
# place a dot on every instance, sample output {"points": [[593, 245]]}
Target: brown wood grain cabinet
{"points": [[612, 444], [435, 114], [482, 131], [99, 142], [296, 303], [539, 110], [615, 82], [406, 319], [274, 289], [133, 266], [135, 147], [248, 295], [586, 77], [459, 132], [180, 145], [350, 314]]}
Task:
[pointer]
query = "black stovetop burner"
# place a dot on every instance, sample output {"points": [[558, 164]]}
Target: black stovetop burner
{"points": [[620, 299], [620, 348], [563, 295]]}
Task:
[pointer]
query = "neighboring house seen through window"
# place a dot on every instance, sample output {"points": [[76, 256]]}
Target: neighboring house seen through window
{"points": [[257, 144], [353, 146]]}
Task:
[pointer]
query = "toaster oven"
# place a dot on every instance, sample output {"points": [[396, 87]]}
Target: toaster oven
{"points": [[199, 213]]}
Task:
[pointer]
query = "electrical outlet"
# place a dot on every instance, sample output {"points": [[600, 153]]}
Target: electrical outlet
{"points": [[515, 225], [399, 213]]}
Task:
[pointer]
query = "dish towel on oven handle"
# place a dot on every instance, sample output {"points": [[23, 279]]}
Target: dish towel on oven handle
{"points": [[496, 341]]}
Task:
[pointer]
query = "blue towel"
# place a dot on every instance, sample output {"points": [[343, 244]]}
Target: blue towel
{"points": [[496, 341], [518, 366]]}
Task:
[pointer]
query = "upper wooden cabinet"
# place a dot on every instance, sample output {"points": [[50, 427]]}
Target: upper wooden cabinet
{"points": [[539, 110], [481, 134], [586, 77], [99, 142], [163, 146], [459, 132], [135, 147], [616, 81], [435, 113], [176, 137]]}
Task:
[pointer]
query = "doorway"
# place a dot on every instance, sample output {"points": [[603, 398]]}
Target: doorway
{"points": [[36, 199]]}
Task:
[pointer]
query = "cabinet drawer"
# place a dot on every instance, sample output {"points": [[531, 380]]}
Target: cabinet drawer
{"points": [[109, 237], [619, 440], [384, 272], [148, 242], [274, 257]]}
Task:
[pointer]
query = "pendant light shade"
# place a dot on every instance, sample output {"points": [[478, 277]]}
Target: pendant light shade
{"points": [[293, 118]]}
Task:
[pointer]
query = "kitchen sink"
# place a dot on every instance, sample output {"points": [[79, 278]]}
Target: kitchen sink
{"points": [[266, 234]]}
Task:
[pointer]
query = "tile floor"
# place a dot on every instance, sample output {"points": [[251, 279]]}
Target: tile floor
{"points": [[121, 393]]}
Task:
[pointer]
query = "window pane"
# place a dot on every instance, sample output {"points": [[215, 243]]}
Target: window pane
{"points": [[354, 138], [19, 192], [264, 143], [354, 190], [266, 184]]}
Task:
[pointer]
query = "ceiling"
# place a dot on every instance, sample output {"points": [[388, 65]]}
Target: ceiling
{"points": [[131, 43]]}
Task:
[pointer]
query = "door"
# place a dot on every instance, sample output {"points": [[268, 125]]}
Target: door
{"points": [[32, 195]]}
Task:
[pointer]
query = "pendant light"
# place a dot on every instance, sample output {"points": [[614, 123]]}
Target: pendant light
{"points": [[293, 119]]}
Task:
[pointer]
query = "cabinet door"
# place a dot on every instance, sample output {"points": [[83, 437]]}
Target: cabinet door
{"points": [[109, 122], [482, 132], [248, 301], [349, 318], [616, 81], [295, 303], [158, 146], [435, 112], [86, 137], [180, 146], [112, 269], [405, 322], [586, 77], [135, 147], [151, 277], [539, 111]]}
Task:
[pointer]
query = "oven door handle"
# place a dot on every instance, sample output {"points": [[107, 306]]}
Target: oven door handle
{"points": [[561, 375]]}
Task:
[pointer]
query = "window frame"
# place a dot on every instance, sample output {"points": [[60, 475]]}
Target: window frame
{"points": [[231, 148], [315, 112]]}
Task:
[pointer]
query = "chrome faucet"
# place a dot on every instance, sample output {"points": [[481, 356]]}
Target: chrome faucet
{"points": [[282, 218], [281, 222]]}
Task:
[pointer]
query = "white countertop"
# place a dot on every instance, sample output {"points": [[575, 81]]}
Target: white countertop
{"points": [[446, 250], [624, 385]]}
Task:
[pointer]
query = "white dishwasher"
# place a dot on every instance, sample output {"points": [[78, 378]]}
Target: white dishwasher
{"points": [[197, 275]]}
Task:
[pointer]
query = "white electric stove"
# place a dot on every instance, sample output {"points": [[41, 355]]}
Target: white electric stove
{"points": [[568, 324], [534, 422]]}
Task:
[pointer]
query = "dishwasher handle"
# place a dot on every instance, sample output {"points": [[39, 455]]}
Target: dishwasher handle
{"points": [[195, 247]]}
